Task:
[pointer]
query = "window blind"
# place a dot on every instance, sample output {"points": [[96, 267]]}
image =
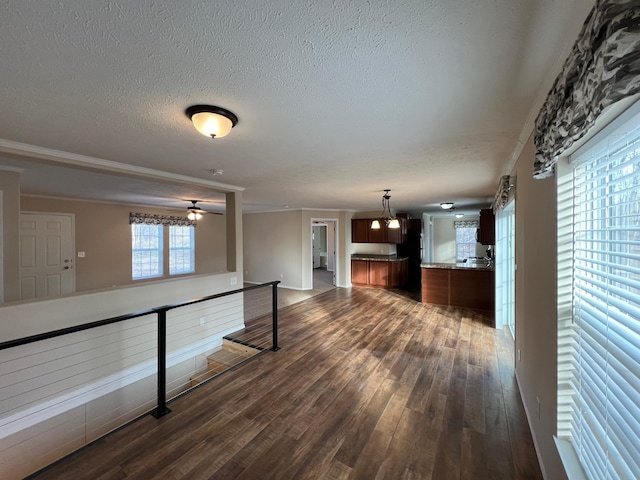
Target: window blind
{"points": [[599, 346]]}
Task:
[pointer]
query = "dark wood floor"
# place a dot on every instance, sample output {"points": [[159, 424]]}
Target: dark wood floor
{"points": [[368, 385]]}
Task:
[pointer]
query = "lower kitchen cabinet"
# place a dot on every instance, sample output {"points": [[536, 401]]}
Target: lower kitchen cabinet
{"points": [[463, 287], [360, 272], [379, 273]]}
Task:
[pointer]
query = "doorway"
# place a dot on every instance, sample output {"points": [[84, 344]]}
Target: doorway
{"points": [[46, 255], [323, 251]]}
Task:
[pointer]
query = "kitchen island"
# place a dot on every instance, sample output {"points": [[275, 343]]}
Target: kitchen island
{"points": [[469, 285], [382, 271]]}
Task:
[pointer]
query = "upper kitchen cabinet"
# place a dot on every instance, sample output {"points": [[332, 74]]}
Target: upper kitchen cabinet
{"points": [[361, 232], [487, 230]]}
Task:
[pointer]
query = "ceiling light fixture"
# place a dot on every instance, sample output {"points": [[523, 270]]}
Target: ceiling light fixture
{"points": [[459, 215], [446, 205], [193, 212], [214, 122], [386, 217]]}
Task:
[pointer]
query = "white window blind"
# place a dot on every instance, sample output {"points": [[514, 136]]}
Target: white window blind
{"points": [[465, 239], [181, 250], [146, 250], [599, 331]]}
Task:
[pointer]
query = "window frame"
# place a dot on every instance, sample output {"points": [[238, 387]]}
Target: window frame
{"points": [[162, 268], [191, 249], [472, 246], [136, 237]]}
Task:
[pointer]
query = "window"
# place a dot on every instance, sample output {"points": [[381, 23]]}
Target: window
{"points": [[181, 250], [149, 259], [599, 301], [146, 247], [465, 239]]}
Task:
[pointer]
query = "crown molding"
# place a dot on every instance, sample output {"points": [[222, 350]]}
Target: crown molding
{"points": [[33, 152]]}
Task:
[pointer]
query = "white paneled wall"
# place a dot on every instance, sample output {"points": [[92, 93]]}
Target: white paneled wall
{"points": [[59, 394]]}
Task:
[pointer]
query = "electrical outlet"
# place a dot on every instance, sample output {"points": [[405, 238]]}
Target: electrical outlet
{"points": [[201, 321], [80, 254], [281, 275], [234, 280]]}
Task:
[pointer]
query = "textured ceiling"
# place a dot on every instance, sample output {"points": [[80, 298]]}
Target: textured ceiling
{"points": [[336, 100]]}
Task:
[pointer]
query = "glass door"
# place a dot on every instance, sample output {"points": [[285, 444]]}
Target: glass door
{"points": [[506, 267]]}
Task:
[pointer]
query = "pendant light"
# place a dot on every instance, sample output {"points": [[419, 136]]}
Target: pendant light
{"points": [[389, 220]]}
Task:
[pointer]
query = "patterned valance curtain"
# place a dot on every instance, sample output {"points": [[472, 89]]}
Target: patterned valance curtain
{"points": [[149, 219], [602, 68], [466, 224], [503, 194]]}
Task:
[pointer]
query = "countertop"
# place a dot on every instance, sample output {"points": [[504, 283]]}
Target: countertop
{"points": [[377, 258], [459, 266]]}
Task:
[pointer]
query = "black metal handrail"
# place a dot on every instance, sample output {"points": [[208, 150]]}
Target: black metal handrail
{"points": [[161, 312]]}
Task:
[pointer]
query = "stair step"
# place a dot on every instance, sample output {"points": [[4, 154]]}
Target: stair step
{"points": [[228, 355], [239, 348], [202, 376]]}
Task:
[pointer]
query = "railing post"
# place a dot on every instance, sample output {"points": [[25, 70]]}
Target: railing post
{"points": [[274, 315], [161, 409]]}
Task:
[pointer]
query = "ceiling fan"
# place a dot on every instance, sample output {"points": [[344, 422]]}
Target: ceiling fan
{"points": [[195, 213]]}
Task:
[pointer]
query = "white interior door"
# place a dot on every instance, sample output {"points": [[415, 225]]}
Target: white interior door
{"points": [[46, 255]]}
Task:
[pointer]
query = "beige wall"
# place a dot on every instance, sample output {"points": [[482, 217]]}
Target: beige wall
{"points": [[272, 247], [536, 317], [277, 246], [10, 188], [103, 232]]}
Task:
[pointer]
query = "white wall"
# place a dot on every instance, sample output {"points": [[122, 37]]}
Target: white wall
{"points": [[62, 393], [536, 316], [444, 240]]}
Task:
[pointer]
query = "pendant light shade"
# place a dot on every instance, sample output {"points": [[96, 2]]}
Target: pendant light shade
{"points": [[394, 223], [214, 122]]}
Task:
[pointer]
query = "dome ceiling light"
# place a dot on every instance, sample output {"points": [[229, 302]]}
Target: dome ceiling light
{"points": [[211, 121]]}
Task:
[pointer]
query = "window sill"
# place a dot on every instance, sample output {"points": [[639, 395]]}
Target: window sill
{"points": [[570, 460]]}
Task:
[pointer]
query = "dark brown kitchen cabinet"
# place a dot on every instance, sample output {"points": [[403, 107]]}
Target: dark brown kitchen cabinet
{"points": [[487, 230], [397, 235], [381, 274], [361, 232], [465, 287], [360, 272]]}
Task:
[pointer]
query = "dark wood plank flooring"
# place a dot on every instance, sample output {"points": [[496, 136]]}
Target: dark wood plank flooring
{"points": [[369, 384]]}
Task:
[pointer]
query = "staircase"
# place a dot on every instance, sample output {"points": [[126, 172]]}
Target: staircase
{"points": [[225, 357]]}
